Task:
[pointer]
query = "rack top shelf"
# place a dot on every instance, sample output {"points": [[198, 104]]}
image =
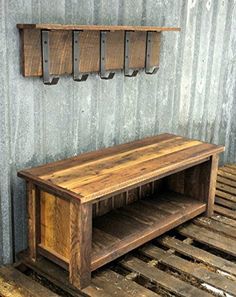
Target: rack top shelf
{"points": [[94, 175], [95, 27]]}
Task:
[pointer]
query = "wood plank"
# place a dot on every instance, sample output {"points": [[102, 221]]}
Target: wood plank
{"points": [[226, 181], [228, 169], [80, 244], [163, 279], [95, 27], [132, 233], [225, 195], [125, 159], [33, 220], [199, 254], [191, 269], [210, 238], [225, 174], [226, 212], [210, 178], [226, 188], [216, 226], [115, 284], [224, 220], [53, 167], [101, 177], [105, 184], [14, 283], [225, 203], [53, 273]]}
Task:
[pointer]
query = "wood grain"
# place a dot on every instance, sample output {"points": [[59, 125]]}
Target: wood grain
{"points": [[95, 27], [60, 49], [80, 244], [96, 175], [33, 220]]}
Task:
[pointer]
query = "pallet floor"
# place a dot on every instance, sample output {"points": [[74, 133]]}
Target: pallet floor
{"points": [[196, 259]]}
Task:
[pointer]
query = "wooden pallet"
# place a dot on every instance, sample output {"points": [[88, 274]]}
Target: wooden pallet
{"points": [[196, 259]]}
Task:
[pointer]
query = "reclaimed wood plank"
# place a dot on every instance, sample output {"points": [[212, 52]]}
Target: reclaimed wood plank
{"points": [[132, 233], [226, 188], [210, 176], [95, 27], [210, 238], [163, 279], [191, 269], [33, 220], [216, 226], [14, 283], [52, 272], [226, 212], [115, 284], [226, 181], [224, 220], [198, 254], [100, 177], [226, 174], [225, 203], [225, 195], [80, 244]]}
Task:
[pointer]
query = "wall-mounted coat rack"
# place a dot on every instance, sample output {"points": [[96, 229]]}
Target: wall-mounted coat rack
{"points": [[51, 50]]}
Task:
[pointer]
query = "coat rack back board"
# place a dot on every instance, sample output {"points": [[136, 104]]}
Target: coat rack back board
{"points": [[52, 50]]}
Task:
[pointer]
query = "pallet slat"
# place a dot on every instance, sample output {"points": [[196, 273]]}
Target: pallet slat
{"points": [[216, 226], [13, 283], [224, 220], [199, 254], [210, 238], [163, 279], [226, 212], [225, 203], [190, 269], [119, 286]]}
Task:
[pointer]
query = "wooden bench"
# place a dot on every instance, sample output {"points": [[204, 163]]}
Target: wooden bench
{"points": [[90, 209]]}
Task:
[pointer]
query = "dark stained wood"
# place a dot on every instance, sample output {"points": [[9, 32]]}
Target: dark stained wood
{"points": [[191, 269], [132, 230], [80, 244], [163, 279], [210, 238], [198, 254]]}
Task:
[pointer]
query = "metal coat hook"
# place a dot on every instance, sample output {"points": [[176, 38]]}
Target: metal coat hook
{"points": [[103, 73], [148, 68], [77, 76], [128, 72], [47, 78]]}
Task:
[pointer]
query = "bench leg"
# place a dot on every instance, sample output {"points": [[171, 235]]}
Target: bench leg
{"points": [[80, 244], [33, 200], [212, 185]]}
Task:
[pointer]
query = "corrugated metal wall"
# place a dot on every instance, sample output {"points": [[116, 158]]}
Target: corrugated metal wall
{"points": [[193, 94]]}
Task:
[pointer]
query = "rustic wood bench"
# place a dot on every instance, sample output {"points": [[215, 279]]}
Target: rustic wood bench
{"points": [[90, 209]]}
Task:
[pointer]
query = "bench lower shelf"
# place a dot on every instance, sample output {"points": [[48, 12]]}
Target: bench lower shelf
{"points": [[126, 228]]}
